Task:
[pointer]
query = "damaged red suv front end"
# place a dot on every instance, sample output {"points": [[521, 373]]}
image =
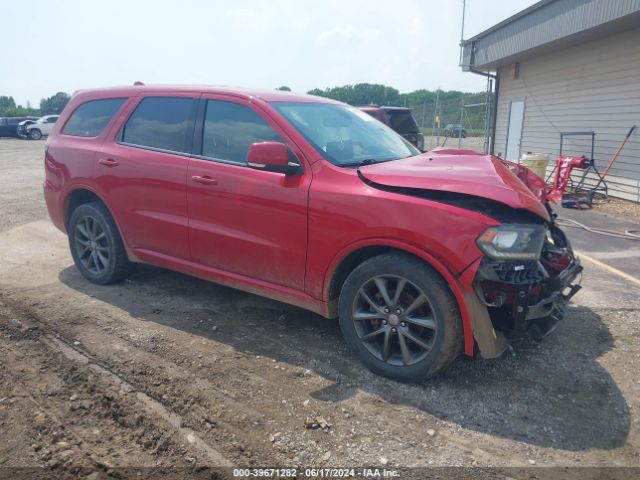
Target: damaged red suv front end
{"points": [[530, 294], [528, 271]]}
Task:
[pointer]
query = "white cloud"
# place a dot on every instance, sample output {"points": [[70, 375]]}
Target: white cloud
{"points": [[348, 34], [250, 19]]}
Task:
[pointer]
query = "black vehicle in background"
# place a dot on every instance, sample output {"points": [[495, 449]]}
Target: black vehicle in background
{"points": [[399, 119], [9, 125], [455, 130]]}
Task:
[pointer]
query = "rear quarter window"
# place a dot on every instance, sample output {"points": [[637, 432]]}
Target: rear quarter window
{"points": [[90, 119]]}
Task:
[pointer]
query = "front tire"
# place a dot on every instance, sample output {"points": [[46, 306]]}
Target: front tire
{"points": [[35, 134], [399, 317], [96, 246]]}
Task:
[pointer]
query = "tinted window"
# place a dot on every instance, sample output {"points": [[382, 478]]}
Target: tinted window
{"points": [[14, 121], [160, 122], [229, 130], [52, 120], [90, 118]]}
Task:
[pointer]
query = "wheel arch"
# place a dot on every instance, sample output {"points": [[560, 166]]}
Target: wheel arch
{"points": [[82, 194], [352, 256], [79, 196]]}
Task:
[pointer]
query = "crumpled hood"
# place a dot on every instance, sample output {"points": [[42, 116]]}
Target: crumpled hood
{"points": [[460, 171]]}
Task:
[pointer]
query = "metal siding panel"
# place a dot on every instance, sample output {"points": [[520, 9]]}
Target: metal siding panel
{"points": [[594, 86], [551, 22]]}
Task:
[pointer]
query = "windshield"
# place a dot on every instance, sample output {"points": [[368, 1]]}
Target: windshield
{"points": [[344, 135], [402, 121]]}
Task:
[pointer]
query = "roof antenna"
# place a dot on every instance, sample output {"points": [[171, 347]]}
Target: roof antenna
{"points": [[138, 83]]}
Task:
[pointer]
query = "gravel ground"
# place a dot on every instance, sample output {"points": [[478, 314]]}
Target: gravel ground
{"points": [[175, 374], [622, 209]]}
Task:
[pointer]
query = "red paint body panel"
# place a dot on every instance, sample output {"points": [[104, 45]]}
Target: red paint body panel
{"points": [[251, 223], [278, 236]]}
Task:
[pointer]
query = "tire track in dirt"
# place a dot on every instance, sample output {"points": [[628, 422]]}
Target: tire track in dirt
{"points": [[273, 438], [67, 416], [151, 406]]}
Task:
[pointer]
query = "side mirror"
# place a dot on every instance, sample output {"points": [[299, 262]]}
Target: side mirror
{"points": [[272, 157]]}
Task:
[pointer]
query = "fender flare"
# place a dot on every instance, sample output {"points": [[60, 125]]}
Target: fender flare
{"points": [[456, 286], [82, 186]]}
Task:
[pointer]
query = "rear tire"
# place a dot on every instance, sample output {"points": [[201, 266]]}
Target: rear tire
{"points": [[399, 317], [96, 245], [35, 134]]}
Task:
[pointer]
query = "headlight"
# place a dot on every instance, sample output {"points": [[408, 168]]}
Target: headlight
{"points": [[513, 242]]}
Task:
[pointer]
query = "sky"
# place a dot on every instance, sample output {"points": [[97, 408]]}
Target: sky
{"points": [[66, 45]]}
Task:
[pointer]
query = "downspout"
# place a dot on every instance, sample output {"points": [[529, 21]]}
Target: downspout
{"points": [[494, 106]]}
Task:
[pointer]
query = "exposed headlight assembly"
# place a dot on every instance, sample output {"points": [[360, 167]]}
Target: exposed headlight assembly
{"points": [[513, 242]]}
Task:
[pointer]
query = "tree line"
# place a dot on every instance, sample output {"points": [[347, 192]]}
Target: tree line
{"points": [[426, 104], [48, 106]]}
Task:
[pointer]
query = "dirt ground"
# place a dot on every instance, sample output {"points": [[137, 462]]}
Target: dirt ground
{"points": [[619, 208], [167, 373]]}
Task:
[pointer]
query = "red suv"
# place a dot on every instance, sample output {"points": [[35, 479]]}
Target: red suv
{"points": [[314, 203]]}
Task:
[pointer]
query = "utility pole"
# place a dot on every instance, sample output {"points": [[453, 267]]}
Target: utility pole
{"points": [[436, 119], [461, 123]]}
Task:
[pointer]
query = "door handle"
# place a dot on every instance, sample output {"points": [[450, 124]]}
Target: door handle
{"points": [[108, 162], [204, 179]]}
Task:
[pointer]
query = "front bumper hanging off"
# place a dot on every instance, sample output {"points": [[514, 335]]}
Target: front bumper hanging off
{"points": [[527, 297]]}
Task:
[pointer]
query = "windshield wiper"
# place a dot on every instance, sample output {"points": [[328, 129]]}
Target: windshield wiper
{"points": [[361, 163]]}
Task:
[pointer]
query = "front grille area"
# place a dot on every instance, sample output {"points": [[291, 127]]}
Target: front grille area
{"points": [[513, 273]]}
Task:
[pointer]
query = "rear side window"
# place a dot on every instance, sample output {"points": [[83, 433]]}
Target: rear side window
{"points": [[90, 118], [160, 122], [230, 129]]}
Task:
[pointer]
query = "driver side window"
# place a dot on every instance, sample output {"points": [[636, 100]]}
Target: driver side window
{"points": [[230, 129]]}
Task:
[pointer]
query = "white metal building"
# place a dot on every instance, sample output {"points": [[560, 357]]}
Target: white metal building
{"points": [[566, 65]]}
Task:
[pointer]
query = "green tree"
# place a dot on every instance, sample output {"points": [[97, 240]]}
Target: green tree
{"points": [[360, 94], [8, 108], [54, 104], [5, 104]]}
